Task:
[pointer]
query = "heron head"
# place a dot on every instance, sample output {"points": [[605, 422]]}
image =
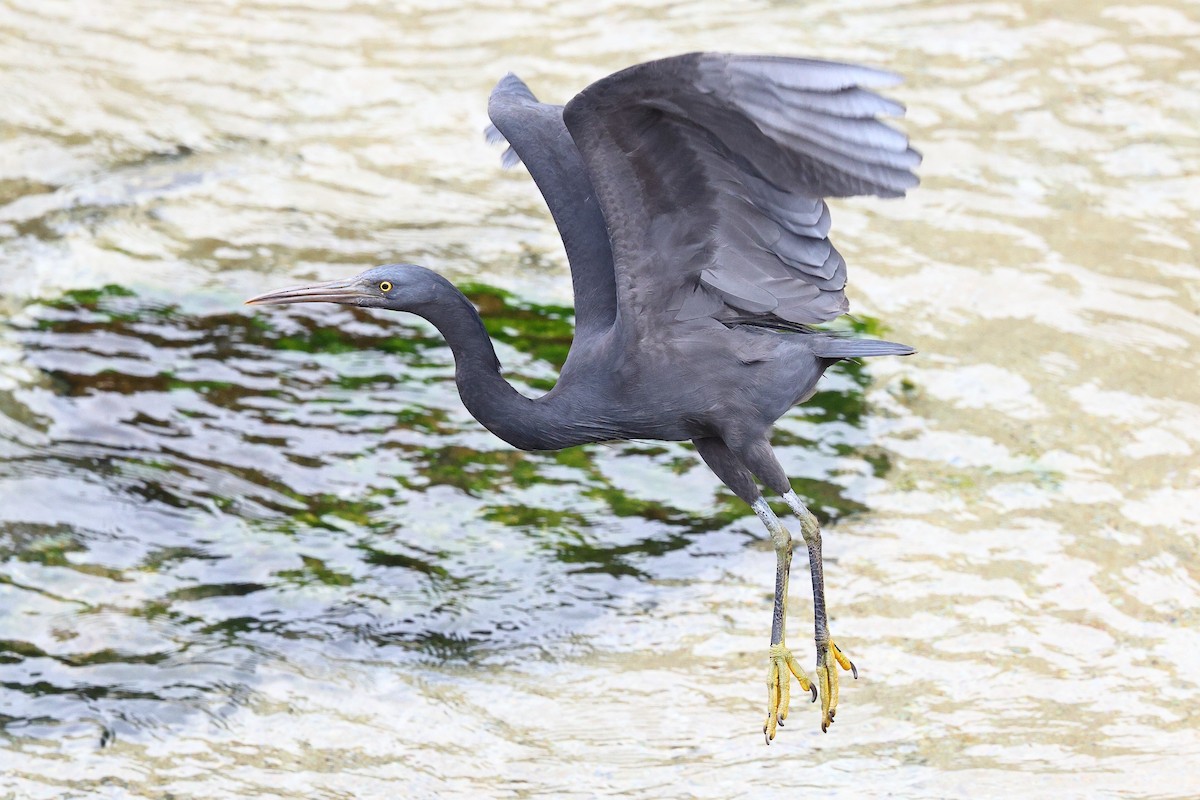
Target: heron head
{"points": [[395, 286]]}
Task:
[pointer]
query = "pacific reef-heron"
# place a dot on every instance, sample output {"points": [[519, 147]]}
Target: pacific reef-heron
{"points": [[688, 192]]}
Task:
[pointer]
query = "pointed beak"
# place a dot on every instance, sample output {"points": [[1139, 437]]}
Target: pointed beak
{"points": [[346, 292]]}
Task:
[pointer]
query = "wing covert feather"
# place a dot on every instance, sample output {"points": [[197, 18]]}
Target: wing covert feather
{"points": [[535, 135], [711, 172]]}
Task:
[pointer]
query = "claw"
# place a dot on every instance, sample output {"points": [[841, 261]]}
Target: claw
{"points": [[782, 667], [828, 660], [813, 689], [843, 662], [800, 674]]}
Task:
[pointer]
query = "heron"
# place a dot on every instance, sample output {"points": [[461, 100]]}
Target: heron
{"points": [[689, 193]]}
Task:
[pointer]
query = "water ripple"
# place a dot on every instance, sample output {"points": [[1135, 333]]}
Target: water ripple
{"points": [[270, 554]]}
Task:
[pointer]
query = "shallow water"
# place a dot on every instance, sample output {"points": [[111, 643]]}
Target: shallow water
{"points": [[268, 554]]}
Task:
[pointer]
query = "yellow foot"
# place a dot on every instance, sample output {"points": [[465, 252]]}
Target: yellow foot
{"points": [[779, 687], [827, 677]]}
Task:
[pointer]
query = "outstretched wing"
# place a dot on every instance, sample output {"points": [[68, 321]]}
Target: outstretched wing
{"points": [[537, 136], [711, 168]]}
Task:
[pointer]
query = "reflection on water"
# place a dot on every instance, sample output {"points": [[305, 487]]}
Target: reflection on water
{"points": [[247, 554], [249, 481]]}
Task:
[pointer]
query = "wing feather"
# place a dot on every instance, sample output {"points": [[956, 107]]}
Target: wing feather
{"points": [[711, 172], [536, 135]]}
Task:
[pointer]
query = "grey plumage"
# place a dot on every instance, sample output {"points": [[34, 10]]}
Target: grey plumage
{"points": [[536, 131], [689, 194], [717, 164]]}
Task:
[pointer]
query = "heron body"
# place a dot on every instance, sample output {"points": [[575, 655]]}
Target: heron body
{"points": [[689, 194]]}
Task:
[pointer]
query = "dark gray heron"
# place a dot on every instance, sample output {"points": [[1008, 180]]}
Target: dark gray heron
{"points": [[689, 196]]}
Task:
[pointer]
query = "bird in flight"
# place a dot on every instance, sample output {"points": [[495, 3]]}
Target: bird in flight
{"points": [[690, 196]]}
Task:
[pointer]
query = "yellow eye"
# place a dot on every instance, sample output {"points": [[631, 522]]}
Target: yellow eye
{"points": [[385, 286]]}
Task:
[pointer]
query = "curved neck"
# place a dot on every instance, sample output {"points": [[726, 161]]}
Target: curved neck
{"points": [[528, 424]]}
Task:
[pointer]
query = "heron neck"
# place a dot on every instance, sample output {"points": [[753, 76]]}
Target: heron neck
{"points": [[523, 422]]}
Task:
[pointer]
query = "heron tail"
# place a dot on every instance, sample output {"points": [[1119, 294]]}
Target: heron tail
{"points": [[837, 347]]}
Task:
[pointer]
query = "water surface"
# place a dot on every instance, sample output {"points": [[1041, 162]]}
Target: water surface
{"points": [[268, 554]]}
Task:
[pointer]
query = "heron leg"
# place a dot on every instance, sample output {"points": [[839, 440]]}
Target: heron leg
{"points": [[829, 657], [781, 664], [758, 457]]}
